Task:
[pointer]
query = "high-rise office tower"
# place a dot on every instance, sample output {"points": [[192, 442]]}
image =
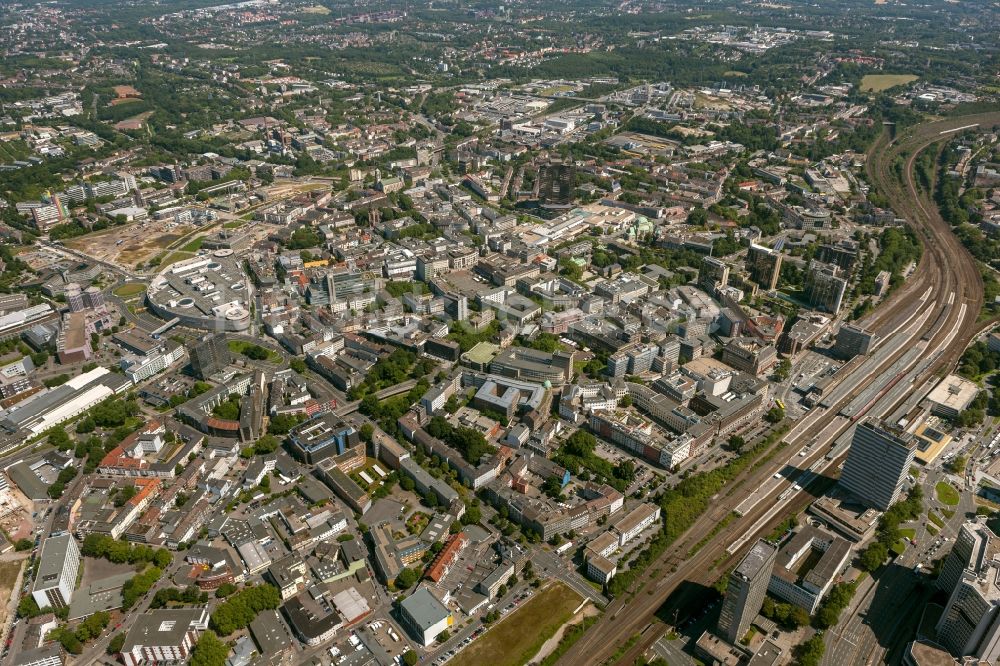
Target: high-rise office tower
{"points": [[746, 590], [969, 551], [556, 183], [93, 297], [74, 297], [853, 340], [970, 624], [877, 463], [825, 287], [764, 266], [713, 272], [57, 568], [210, 355]]}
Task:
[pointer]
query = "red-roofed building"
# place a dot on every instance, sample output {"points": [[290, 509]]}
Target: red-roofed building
{"points": [[447, 557], [127, 459], [98, 514]]}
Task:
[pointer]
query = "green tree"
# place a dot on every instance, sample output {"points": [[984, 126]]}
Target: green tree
{"points": [[240, 609], [255, 352], [225, 590], [209, 651], [115, 644], [873, 556], [407, 578], [698, 217], [135, 587], [410, 658], [367, 431], [162, 558], [28, 607], [811, 652], [581, 444], [266, 444], [280, 424], [473, 513], [837, 599]]}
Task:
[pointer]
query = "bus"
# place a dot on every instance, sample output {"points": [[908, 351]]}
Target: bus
{"points": [[780, 404]]}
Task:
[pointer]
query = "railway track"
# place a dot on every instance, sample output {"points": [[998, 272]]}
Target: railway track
{"points": [[948, 271]]}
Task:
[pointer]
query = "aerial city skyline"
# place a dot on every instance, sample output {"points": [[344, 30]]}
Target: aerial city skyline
{"points": [[635, 333]]}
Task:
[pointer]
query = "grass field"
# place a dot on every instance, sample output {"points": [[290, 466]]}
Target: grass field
{"points": [[130, 290], [880, 82], [14, 150], [555, 90], [237, 347], [946, 494], [908, 533], [934, 518], [8, 578], [194, 245], [519, 636], [168, 258]]}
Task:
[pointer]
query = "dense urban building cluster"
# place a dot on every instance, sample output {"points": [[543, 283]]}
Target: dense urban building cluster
{"points": [[423, 333]]}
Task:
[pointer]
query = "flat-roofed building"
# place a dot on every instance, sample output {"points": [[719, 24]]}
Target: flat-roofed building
{"points": [[807, 566], [970, 623], [846, 516], [745, 593], [65, 402], [930, 443], [713, 273], [598, 556], [163, 636], [57, 568], [825, 287], [270, 634], [969, 551], [749, 355], [344, 486], [314, 619], [73, 343], [636, 521], [533, 365], [322, 437], [952, 395], [50, 654], [764, 266], [993, 342], [853, 340], [424, 616], [877, 463], [210, 355]]}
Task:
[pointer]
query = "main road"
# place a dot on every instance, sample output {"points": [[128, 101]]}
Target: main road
{"points": [[936, 310]]}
